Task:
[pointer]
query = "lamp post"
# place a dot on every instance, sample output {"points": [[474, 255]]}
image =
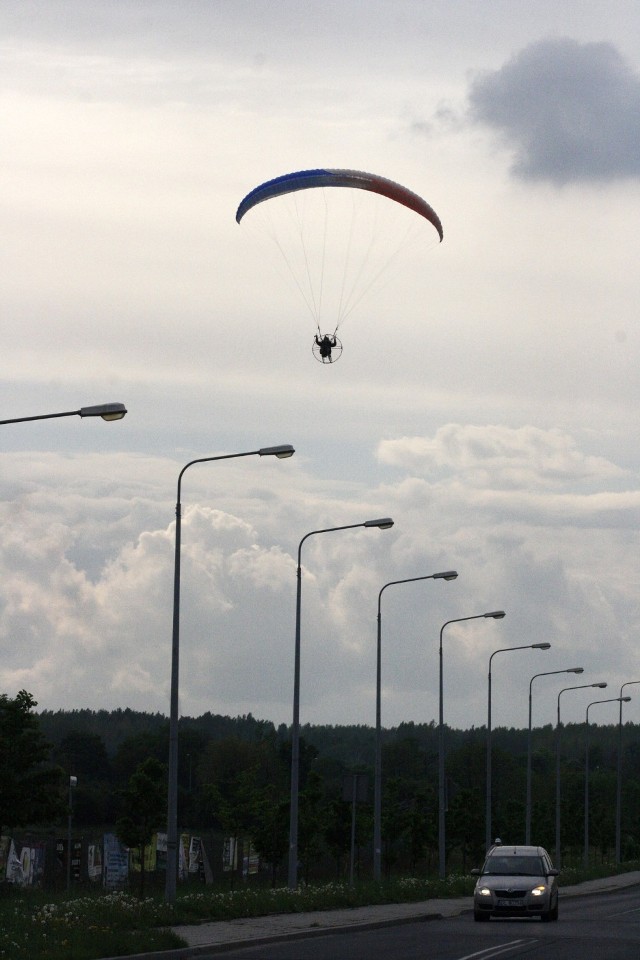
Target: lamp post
{"points": [[549, 673], [582, 686], [73, 783], [383, 524], [442, 857], [108, 411], [619, 700], [487, 814], [377, 801], [619, 778], [281, 452]]}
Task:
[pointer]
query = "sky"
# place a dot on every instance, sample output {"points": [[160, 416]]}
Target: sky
{"points": [[486, 397]]}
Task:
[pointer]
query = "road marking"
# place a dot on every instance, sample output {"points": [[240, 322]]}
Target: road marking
{"points": [[624, 913], [489, 952]]}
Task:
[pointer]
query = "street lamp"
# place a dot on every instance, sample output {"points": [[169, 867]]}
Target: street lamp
{"points": [[619, 778], [377, 802], [73, 783], [487, 815], [108, 411], [281, 452], [495, 615], [582, 686], [586, 773], [549, 673], [383, 524]]}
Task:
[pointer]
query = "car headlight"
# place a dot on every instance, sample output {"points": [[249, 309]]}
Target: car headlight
{"points": [[538, 891], [484, 892]]}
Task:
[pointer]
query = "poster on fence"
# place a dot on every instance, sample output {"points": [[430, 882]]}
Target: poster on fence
{"points": [[183, 860], [194, 855], [32, 864], [4, 856], [250, 861], [38, 853], [229, 854], [116, 862], [94, 862], [161, 851], [14, 865], [76, 860], [149, 857]]}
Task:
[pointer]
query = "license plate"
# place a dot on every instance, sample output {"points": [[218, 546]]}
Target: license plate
{"points": [[507, 903]]}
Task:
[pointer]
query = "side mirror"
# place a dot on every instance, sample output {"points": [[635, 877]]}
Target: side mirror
{"points": [[475, 872], [553, 873]]}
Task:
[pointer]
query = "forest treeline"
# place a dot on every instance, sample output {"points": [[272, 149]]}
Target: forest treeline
{"points": [[234, 778], [351, 746]]}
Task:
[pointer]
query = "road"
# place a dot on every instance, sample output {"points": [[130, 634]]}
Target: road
{"points": [[604, 926]]}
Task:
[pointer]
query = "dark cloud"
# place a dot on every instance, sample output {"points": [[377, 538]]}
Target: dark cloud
{"points": [[570, 111]]}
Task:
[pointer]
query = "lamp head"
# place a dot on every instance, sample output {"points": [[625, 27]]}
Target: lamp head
{"points": [[575, 670], [602, 684], [447, 575], [625, 699], [282, 452], [384, 524], [108, 411], [540, 646], [495, 614]]}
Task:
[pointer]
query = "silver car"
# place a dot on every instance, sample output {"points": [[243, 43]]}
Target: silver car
{"points": [[516, 881]]}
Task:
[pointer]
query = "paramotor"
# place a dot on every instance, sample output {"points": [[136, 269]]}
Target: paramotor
{"points": [[336, 245]]}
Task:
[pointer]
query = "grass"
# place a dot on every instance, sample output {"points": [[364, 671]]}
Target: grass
{"points": [[37, 926], [576, 873]]}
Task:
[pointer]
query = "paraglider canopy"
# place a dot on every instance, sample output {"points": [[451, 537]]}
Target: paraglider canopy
{"points": [[307, 179]]}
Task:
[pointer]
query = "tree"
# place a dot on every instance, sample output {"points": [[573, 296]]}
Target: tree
{"points": [[421, 829], [392, 826], [270, 828], [146, 801], [310, 822], [136, 748], [229, 771], [337, 830], [84, 755], [31, 787]]}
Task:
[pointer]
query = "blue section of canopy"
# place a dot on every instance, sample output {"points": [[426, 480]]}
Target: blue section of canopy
{"points": [[289, 183]]}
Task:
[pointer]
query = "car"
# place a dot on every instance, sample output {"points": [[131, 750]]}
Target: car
{"points": [[516, 881]]}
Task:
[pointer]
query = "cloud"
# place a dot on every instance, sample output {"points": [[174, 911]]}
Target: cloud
{"points": [[499, 456], [528, 518], [569, 111]]}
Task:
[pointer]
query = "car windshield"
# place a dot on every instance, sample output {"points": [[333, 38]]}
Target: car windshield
{"points": [[514, 866]]}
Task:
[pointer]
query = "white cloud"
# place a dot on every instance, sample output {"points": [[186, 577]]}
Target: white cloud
{"points": [[497, 456], [557, 559]]}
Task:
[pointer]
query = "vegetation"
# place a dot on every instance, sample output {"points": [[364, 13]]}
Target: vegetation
{"points": [[234, 782], [31, 785], [146, 803], [33, 927]]}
